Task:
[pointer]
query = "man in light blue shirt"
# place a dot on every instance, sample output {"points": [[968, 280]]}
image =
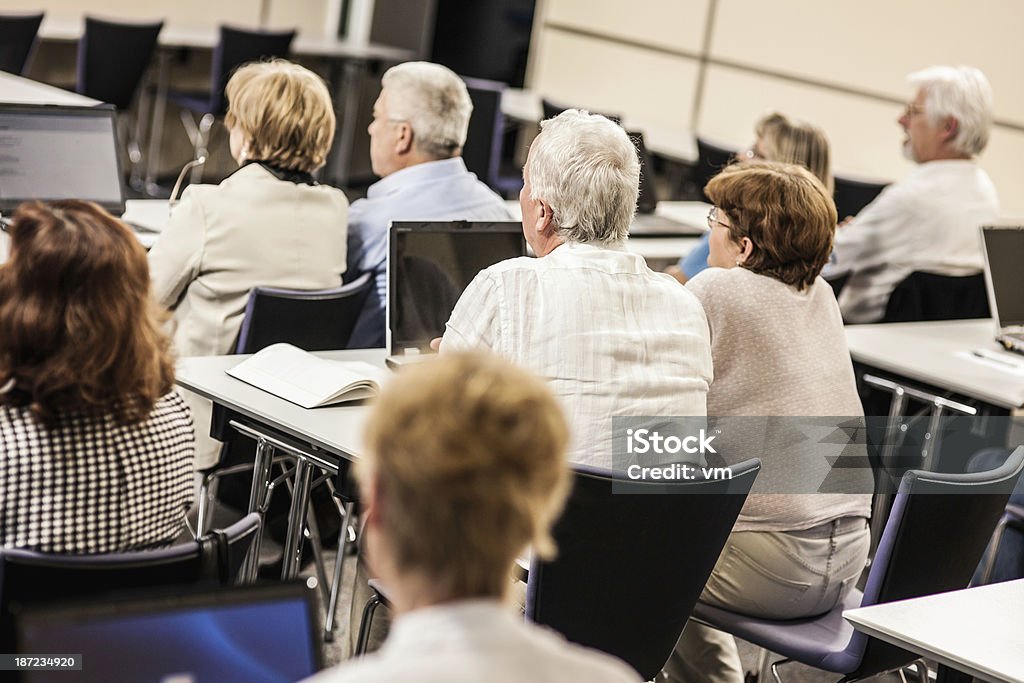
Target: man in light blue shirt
{"points": [[416, 136]]}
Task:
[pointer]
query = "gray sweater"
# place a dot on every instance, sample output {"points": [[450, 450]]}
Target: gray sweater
{"points": [[777, 351]]}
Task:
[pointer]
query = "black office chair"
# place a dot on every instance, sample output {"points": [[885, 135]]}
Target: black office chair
{"points": [[17, 38], [552, 109], [29, 577], [485, 139], [113, 57], [852, 195], [235, 48], [928, 296], [629, 570], [932, 542], [711, 159]]}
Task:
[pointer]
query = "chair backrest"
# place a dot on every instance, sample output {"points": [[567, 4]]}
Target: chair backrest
{"points": [[482, 151], [928, 296], [237, 47], [552, 109], [318, 320], [112, 59], [853, 195], [633, 558], [936, 534], [711, 159], [27, 576], [17, 37]]}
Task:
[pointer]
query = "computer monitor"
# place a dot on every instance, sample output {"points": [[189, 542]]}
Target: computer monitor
{"points": [[258, 634], [430, 264], [1004, 254], [54, 152]]}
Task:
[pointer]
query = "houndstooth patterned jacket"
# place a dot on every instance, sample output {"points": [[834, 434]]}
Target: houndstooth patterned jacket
{"points": [[92, 485]]}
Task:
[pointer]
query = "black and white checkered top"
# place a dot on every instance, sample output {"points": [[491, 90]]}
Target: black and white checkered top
{"points": [[92, 485]]}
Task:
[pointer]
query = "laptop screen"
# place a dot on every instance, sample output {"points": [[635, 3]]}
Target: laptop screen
{"points": [[1004, 254], [429, 264], [258, 634], [49, 153]]}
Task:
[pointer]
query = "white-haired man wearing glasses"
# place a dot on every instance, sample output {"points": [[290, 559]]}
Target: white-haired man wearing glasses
{"points": [[929, 221], [419, 127], [611, 336]]}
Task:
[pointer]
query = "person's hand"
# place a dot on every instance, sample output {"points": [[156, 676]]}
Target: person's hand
{"points": [[435, 343], [677, 273]]}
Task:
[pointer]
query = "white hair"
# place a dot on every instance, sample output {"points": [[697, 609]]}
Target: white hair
{"points": [[587, 169], [960, 92], [435, 103]]}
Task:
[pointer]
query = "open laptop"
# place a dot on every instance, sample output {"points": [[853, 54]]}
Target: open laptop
{"points": [[56, 152], [1003, 247], [258, 634], [429, 265]]}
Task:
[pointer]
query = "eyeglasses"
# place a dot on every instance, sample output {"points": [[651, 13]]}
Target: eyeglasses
{"points": [[912, 109], [713, 219]]}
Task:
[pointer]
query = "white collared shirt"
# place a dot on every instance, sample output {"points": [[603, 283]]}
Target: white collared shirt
{"points": [[929, 222], [474, 641], [611, 337]]}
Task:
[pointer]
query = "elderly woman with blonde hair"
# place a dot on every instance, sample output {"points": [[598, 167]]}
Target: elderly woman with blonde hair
{"points": [[777, 138], [268, 223]]}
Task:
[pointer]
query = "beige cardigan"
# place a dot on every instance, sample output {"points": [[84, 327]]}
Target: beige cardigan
{"points": [[222, 240]]}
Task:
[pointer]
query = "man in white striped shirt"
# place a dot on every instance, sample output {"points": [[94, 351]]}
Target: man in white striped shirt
{"points": [[612, 337]]}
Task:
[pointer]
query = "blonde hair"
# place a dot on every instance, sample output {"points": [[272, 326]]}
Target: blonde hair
{"points": [[786, 213], [790, 141], [468, 455], [285, 113]]}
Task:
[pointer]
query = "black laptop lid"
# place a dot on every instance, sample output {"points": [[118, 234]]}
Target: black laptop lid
{"points": [[52, 152], [1004, 256], [430, 264], [258, 634]]}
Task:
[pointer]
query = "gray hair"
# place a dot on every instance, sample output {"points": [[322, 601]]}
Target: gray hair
{"points": [[586, 168], [961, 92], [435, 103]]}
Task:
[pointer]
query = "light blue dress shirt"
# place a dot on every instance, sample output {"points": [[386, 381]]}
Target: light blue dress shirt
{"points": [[697, 259], [441, 190]]}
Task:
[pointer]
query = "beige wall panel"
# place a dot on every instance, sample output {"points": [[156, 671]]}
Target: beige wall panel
{"points": [[1004, 161], [614, 79], [873, 44], [674, 24], [308, 16], [185, 13]]}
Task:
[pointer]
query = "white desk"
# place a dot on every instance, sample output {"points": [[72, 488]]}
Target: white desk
{"points": [[940, 354], [693, 215], [18, 90], [676, 143], [320, 438], [977, 630]]}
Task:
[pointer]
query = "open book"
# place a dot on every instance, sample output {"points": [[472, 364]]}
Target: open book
{"points": [[310, 381]]}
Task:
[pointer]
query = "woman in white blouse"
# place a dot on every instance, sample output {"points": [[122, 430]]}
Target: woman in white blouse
{"points": [[268, 223]]}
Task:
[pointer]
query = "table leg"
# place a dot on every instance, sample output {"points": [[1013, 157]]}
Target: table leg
{"points": [[257, 499], [156, 128], [296, 520]]}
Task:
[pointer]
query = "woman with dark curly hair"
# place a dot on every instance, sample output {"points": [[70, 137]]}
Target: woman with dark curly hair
{"points": [[96, 448]]}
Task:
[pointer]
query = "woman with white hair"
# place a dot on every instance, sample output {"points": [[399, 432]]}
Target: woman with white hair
{"points": [[610, 335]]}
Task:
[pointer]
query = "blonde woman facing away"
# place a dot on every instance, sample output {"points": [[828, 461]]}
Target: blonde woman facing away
{"points": [[268, 223]]}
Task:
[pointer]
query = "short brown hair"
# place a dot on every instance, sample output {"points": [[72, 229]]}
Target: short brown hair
{"points": [[786, 213], [78, 327], [285, 112], [468, 452]]}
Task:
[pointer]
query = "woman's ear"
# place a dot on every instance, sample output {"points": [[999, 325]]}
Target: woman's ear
{"points": [[746, 250]]}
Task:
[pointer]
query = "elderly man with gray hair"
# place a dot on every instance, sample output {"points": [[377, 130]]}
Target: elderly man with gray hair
{"points": [[612, 337], [929, 222], [419, 126]]}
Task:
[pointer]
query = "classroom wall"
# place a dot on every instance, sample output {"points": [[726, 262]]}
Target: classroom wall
{"points": [[714, 66]]}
